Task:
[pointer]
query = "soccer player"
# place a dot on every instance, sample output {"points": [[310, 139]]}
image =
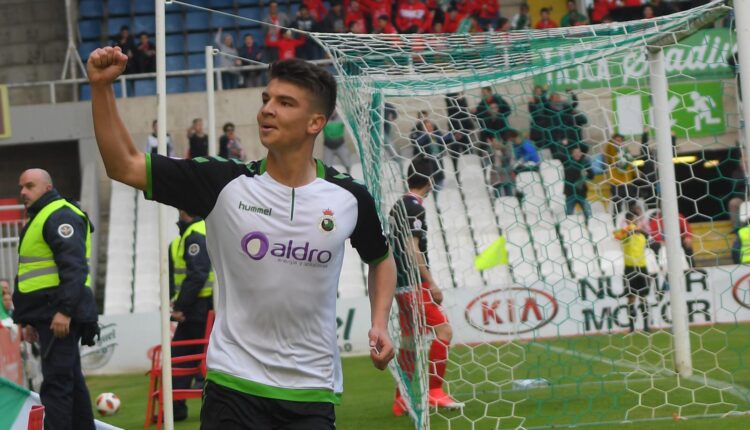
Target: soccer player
{"points": [[275, 232], [409, 238], [634, 241]]}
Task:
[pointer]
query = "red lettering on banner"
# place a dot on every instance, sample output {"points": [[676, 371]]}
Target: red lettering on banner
{"points": [[537, 308], [531, 305], [490, 311]]}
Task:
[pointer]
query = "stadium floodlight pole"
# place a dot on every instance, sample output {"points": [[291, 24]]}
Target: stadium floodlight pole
{"points": [[670, 214], [742, 26], [161, 133], [211, 105]]}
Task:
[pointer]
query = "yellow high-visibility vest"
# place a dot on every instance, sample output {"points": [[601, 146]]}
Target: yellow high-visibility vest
{"points": [[36, 263], [177, 249], [744, 235], [634, 250]]}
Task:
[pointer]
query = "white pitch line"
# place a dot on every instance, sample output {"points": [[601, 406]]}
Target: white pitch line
{"points": [[740, 391]]}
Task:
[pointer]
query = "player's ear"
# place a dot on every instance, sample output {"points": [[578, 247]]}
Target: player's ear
{"points": [[316, 123]]}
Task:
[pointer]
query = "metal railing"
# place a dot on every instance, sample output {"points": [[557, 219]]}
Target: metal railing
{"points": [[123, 80], [10, 233]]}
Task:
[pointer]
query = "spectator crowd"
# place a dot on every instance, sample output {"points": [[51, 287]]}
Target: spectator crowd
{"points": [[281, 40]]}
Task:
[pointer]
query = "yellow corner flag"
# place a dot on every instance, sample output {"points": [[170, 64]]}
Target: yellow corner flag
{"points": [[495, 254]]}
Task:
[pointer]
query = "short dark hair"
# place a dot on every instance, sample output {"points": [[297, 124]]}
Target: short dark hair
{"points": [[318, 81], [226, 126], [419, 172], [544, 9], [501, 21]]}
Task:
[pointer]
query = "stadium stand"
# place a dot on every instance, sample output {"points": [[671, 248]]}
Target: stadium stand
{"points": [[120, 251]]}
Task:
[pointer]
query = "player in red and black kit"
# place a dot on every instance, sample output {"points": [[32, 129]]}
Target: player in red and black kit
{"points": [[409, 238]]}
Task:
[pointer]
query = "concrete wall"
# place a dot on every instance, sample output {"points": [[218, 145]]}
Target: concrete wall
{"points": [[34, 41]]}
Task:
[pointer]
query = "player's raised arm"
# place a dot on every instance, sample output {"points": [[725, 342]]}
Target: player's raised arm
{"points": [[381, 284], [123, 161]]}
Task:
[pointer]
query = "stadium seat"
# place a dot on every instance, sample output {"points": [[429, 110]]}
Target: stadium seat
{"points": [[255, 13], [197, 42], [437, 251], [91, 9], [84, 91], [144, 24], [118, 7], [85, 49], [155, 400], [145, 87], [175, 44], [247, 3], [222, 21], [175, 62], [293, 9], [114, 25], [176, 84], [173, 23], [90, 29], [196, 61], [221, 4], [143, 7], [196, 83], [197, 21]]}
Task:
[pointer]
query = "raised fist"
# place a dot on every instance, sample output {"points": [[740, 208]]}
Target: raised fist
{"points": [[105, 65]]}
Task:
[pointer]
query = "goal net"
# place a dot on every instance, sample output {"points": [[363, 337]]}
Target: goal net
{"points": [[542, 144]]}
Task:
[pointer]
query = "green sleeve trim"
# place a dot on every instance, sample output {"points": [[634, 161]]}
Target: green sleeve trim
{"points": [[380, 259], [321, 169], [267, 391], [149, 179], [262, 169]]}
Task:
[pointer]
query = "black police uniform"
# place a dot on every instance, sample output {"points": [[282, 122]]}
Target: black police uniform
{"points": [[194, 308], [64, 393]]}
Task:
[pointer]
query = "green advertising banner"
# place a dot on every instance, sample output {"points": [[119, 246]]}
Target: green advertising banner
{"points": [[696, 109], [701, 56]]}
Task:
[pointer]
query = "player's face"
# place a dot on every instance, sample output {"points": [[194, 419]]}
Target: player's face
{"points": [[287, 117], [32, 187]]}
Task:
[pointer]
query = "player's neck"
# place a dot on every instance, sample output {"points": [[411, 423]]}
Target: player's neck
{"points": [[418, 192], [293, 169]]}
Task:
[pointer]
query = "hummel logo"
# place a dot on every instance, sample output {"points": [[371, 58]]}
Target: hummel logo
{"points": [[254, 209]]}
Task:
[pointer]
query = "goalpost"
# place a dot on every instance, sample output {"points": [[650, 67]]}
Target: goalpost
{"points": [[544, 341]]}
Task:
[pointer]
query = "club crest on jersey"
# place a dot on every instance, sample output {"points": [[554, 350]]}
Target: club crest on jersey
{"points": [[327, 222]]}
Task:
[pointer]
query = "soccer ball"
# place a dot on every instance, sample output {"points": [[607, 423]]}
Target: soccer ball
{"points": [[107, 404]]}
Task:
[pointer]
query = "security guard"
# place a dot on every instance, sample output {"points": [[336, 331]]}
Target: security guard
{"points": [[192, 283], [53, 297]]}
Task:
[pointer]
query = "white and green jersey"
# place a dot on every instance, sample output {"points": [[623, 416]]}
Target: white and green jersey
{"points": [[277, 252]]}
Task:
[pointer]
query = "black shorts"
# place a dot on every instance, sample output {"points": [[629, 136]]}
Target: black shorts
{"points": [[636, 281], [227, 409]]}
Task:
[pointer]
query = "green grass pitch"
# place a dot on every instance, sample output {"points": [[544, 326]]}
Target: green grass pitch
{"points": [[595, 382]]}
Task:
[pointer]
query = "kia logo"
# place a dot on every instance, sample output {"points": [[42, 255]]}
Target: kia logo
{"points": [[255, 245], [741, 291], [511, 310]]}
